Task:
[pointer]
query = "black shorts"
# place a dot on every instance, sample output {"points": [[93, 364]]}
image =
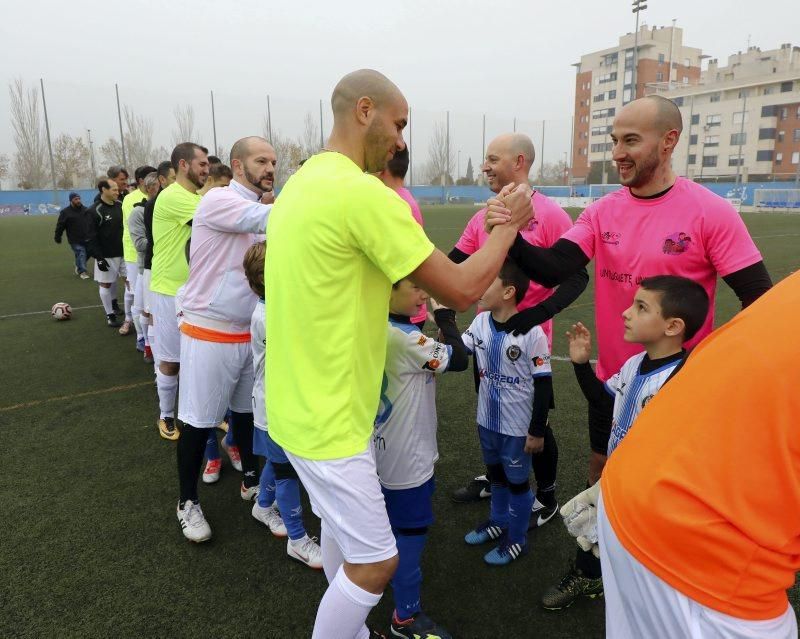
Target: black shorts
{"points": [[599, 430]]}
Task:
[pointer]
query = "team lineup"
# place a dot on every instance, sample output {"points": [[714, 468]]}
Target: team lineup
{"points": [[297, 324]]}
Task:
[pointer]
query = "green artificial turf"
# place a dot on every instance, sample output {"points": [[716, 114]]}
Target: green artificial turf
{"points": [[90, 543]]}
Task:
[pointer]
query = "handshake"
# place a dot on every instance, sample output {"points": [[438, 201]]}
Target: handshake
{"points": [[512, 206]]}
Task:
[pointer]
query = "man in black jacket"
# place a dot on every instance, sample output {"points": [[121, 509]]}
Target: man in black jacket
{"points": [[105, 245], [75, 220]]}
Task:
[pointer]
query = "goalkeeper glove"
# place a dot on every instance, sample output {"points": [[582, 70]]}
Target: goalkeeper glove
{"points": [[580, 518], [102, 265]]}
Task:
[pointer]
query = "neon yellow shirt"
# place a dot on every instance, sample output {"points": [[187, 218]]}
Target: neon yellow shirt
{"points": [[337, 239], [132, 199], [174, 207]]}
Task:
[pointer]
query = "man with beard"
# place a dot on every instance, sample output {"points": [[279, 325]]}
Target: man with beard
{"points": [[172, 226], [105, 244], [625, 233], [75, 220], [217, 305], [337, 240]]}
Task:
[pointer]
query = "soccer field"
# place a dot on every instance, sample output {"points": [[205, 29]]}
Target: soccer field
{"points": [[90, 543]]}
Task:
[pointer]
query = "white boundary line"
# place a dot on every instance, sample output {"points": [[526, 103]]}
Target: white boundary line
{"points": [[74, 308]]}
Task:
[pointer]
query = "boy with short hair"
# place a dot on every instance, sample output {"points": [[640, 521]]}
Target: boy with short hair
{"points": [[404, 442], [666, 312], [277, 504], [514, 398]]}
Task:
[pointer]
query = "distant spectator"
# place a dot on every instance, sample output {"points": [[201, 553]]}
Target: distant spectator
{"points": [[74, 219]]}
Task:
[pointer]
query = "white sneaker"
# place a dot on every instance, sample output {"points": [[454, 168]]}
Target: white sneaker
{"points": [[306, 551], [248, 494], [193, 522], [271, 518], [211, 472]]}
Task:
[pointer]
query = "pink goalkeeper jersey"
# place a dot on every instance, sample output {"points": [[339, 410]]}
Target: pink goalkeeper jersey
{"points": [[549, 224], [690, 232], [217, 295], [406, 195]]}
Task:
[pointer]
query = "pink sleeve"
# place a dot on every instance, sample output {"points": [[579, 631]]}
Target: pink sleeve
{"points": [[469, 242], [583, 232], [726, 239], [417, 213]]}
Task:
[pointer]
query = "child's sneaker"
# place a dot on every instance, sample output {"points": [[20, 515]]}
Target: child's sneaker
{"points": [[233, 454], [248, 494], [193, 522], [420, 626], [487, 531], [541, 514], [211, 473], [271, 518], [505, 553], [306, 551]]}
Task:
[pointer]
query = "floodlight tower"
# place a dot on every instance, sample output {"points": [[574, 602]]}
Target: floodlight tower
{"points": [[638, 5]]}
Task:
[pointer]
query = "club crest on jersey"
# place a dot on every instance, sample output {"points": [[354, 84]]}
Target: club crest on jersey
{"points": [[676, 244], [610, 237], [513, 352]]}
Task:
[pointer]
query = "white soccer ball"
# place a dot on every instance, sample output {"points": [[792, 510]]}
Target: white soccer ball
{"points": [[61, 311]]}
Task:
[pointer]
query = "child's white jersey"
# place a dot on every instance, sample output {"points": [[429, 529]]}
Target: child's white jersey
{"points": [[507, 365], [405, 427], [632, 391], [258, 342]]}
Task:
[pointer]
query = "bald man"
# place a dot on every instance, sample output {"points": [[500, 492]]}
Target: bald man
{"points": [[338, 239], [657, 224], [216, 304], [509, 158]]}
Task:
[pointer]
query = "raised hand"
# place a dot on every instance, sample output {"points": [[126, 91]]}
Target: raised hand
{"points": [[580, 343]]}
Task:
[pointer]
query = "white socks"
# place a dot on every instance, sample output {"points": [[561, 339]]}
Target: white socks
{"points": [[343, 610], [105, 298], [167, 393]]}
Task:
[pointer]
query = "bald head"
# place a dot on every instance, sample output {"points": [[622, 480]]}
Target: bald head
{"points": [[657, 111], [245, 147], [515, 145], [364, 83]]}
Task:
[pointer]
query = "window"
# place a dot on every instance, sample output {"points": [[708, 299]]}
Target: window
{"points": [[769, 111], [695, 118], [582, 151], [601, 130], [613, 94], [779, 158], [736, 160], [608, 77], [739, 117], [686, 79], [603, 113], [786, 86], [600, 148], [743, 93], [738, 138], [693, 139], [796, 157], [797, 135], [692, 159], [628, 77], [766, 134], [781, 136], [713, 120], [678, 101], [687, 62], [626, 96], [797, 115], [600, 97], [659, 77], [661, 58], [715, 97], [769, 91], [709, 160], [711, 140], [764, 156], [784, 113]]}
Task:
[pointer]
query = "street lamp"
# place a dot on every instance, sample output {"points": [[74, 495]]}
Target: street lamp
{"points": [[638, 5]]}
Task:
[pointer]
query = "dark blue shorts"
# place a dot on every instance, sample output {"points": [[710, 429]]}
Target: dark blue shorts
{"points": [[507, 450], [264, 446], [410, 507]]}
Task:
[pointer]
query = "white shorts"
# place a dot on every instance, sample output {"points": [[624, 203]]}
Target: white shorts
{"points": [[640, 604], [167, 344], [146, 294], [346, 495], [116, 269], [214, 377], [131, 274]]}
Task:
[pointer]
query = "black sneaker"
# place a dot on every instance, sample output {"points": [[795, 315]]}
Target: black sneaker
{"points": [[541, 514], [572, 585], [115, 307], [420, 626], [479, 488], [374, 634], [112, 321]]}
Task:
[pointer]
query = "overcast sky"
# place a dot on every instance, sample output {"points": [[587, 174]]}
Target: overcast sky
{"points": [[505, 59]]}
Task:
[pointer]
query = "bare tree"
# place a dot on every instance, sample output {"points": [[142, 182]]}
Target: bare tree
{"points": [[138, 139], [310, 142], [184, 121], [160, 154], [30, 159], [553, 173], [223, 154], [111, 152], [438, 169], [71, 161], [4, 164]]}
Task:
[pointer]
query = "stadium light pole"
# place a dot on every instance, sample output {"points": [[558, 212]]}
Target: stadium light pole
{"points": [[214, 124], [741, 135], [121, 135], [49, 145], [269, 121], [410, 155], [638, 5], [321, 132], [91, 153]]}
